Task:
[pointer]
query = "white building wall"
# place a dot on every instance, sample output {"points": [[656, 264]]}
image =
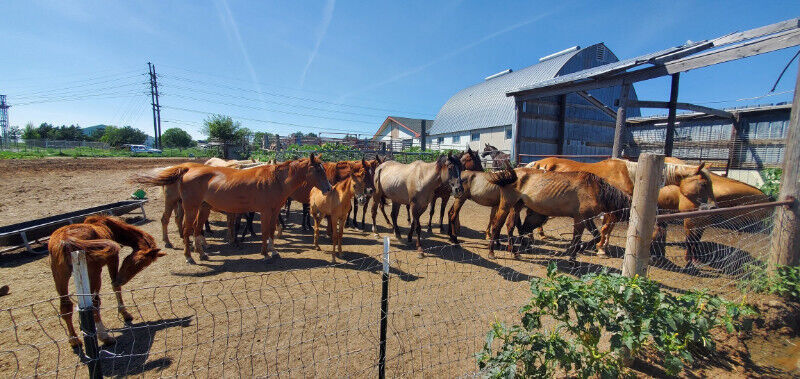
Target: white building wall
{"points": [[401, 133], [494, 136]]}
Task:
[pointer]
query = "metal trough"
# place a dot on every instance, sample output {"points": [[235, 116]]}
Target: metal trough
{"points": [[21, 234]]}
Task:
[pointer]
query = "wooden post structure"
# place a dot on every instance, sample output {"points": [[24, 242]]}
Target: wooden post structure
{"points": [[423, 135], [562, 124], [669, 141], [785, 244], [80, 275], [619, 131], [644, 209]]}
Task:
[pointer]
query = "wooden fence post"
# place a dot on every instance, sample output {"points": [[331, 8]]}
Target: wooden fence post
{"points": [[83, 291], [785, 244], [619, 131], [644, 209]]}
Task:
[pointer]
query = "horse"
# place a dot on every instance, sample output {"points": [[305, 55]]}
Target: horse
{"points": [[370, 167], [499, 158], [471, 162], [579, 195], [335, 206], [692, 181], [263, 189], [335, 172], [413, 184], [100, 237], [727, 192]]}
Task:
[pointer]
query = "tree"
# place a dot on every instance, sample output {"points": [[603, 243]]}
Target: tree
{"points": [[176, 137], [14, 133], [30, 132], [115, 136], [224, 129]]}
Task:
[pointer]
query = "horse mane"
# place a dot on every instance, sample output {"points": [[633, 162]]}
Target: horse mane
{"points": [[673, 172], [503, 178], [612, 198]]}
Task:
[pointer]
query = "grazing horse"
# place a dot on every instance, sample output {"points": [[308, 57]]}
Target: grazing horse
{"points": [[263, 189], [100, 237], [471, 162], [579, 195], [499, 158], [413, 184], [692, 181], [335, 206], [727, 192]]}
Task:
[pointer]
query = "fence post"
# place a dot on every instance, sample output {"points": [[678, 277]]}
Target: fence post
{"points": [[785, 243], [83, 292], [384, 310], [644, 208], [622, 116]]}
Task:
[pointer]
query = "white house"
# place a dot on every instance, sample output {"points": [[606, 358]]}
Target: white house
{"points": [[401, 132]]}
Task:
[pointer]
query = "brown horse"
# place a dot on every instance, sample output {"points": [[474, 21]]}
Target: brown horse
{"points": [[499, 158], [335, 206], [262, 189], [471, 162], [692, 181], [579, 195], [413, 184], [100, 237], [727, 193]]}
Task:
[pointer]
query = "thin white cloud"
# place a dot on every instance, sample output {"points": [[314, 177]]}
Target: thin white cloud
{"points": [[450, 54], [226, 17], [327, 16]]}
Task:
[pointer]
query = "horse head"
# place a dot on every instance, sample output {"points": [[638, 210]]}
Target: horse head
{"points": [[315, 174], [489, 150], [369, 176], [136, 262], [696, 186], [452, 174], [471, 161], [359, 184]]}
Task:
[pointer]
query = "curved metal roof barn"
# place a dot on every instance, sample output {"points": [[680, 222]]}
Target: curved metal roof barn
{"points": [[485, 105]]}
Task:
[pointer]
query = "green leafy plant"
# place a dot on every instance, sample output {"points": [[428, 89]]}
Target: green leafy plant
{"points": [[784, 282], [772, 181], [629, 313]]}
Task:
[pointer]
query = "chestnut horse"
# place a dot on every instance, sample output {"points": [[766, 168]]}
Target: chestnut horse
{"points": [[413, 184], [471, 162], [693, 181], [262, 189], [727, 193], [579, 195], [100, 237], [335, 206]]}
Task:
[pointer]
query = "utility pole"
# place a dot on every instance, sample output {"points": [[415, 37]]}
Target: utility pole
{"points": [[154, 102], [4, 119]]}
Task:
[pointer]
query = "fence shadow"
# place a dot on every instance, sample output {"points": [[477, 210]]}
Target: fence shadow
{"points": [[129, 355]]}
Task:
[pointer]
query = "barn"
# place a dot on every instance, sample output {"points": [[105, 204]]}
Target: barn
{"points": [[567, 124], [401, 132]]}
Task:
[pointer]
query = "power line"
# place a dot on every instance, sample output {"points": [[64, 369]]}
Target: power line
{"points": [[72, 87], [77, 98], [76, 92]]}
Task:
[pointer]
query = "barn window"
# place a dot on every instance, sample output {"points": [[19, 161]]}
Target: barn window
{"points": [[508, 133], [456, 138], [475, 136]]}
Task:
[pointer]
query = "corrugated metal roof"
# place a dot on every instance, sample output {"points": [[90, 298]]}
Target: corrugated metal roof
{"points": [[486, 105], [413, 125]]}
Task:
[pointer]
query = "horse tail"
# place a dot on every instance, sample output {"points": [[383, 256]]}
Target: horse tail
{"points": [[99, 249], [161, 177], [503, 178], [611, 198]]}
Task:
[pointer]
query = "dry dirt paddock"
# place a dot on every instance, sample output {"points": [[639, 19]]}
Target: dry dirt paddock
{"points": [[238, 314]]}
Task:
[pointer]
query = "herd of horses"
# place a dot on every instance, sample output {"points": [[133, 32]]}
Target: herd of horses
{"points": [[551, 187]]}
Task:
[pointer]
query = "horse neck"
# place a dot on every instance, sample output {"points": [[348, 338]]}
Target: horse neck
{"points": [[347, 190], [129, 235], [675, 173]]}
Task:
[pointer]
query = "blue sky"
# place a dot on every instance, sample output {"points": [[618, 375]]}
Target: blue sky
{"points": [[330, 66]]}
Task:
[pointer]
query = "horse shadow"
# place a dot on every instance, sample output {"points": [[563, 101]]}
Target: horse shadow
{"points": [[129, 355], [460, 254], [21, 257], [724, 259]]}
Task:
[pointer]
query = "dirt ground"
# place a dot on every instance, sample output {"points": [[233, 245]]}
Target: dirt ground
{"points": [[238, 314]]}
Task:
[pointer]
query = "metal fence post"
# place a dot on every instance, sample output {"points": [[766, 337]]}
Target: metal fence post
{"points": [[384, 310], [644, 209], [83, 292]]}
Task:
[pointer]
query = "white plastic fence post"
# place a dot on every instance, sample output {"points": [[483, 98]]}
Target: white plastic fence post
{"points": [[644, 209], [83, 292]]}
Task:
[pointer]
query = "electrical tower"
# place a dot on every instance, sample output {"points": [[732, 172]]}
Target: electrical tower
{"points": [[154, 102], [4, 119]]}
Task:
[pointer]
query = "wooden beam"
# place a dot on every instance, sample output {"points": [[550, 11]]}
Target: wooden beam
{"points": [[757, 32], [619, 130], [562, 124], [673, 111], [682, 106], [515, 131], [598, 104], [732, 146]]}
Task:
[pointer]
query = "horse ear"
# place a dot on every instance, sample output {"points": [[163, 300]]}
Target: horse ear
{"points": [[311, 157], [487, 144], [508, 166], [469, 150], [700, 167], [363, 162], [449, 155]]}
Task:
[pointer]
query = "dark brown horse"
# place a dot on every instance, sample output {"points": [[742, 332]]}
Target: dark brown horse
{"points": [[499, 158], [100, 237], [471, 162]]}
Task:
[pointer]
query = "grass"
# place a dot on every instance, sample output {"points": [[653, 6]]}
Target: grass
{"points": [[88, 152]]}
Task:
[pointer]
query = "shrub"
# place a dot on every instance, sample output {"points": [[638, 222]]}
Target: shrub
{"points": [[633, 313], [772, 181], [785, 282]]}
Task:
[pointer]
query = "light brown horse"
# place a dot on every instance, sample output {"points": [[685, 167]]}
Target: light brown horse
{"points": [[692, 181], [100, 237], [727, 193], [335, 206], [471, 161], [579, 195], [413, 184], [262, 189]]}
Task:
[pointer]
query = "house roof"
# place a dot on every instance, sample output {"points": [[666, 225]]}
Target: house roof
{"points": [[412, 125], [486, 105]]}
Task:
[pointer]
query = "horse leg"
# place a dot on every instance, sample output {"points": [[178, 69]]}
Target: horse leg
{"points": [[268, 227], [250, 216], [417, 209], [340, 233], [190, 215], [408, 213], [364, 215], [492, 213], [693, 236], [199, 240], [455, 223], [430, 218], [445, 199], [112, 263], [317, 217], [658, 247], [231, 219], [605, 231], [351, 222], [61, 275], [575, 244], [395, 212], [512, 221], [288, 207], [306, 217], [374, 211], [497, 223], [94, 286], [593, 230], [168, 208]]}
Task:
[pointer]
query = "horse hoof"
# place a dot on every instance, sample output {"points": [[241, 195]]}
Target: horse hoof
{"points": [[107, 340], [204, 257], [601, 253], [190, 260], [168, 245], [492, 256], [75, 342], [517, 256], [276, 256], [421, 253]]}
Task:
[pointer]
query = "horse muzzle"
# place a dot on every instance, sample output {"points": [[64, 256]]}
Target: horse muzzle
{"points": [[707, 206], [458, 191], [361, 199]]}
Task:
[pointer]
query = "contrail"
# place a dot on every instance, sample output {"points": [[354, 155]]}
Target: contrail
{"points": [[232, 28], [327, 16]]}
